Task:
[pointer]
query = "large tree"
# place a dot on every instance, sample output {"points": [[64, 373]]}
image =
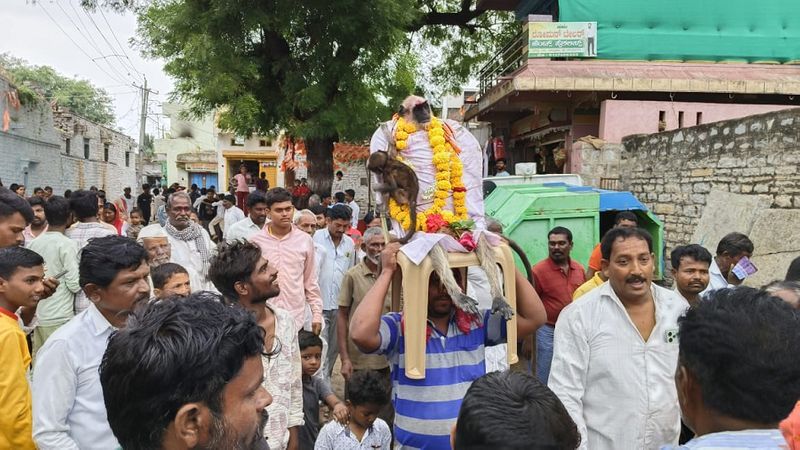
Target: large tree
{"points": [[80, 96], [319, 69]]}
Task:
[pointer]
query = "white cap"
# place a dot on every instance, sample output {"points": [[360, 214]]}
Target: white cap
{"points": [[151, 231]]}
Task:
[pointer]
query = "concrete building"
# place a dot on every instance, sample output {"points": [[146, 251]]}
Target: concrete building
{"points": [[656, 67], [48, 145], [196, 151]]}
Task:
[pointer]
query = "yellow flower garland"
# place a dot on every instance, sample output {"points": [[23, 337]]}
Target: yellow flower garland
{"points": [[449, 171]]}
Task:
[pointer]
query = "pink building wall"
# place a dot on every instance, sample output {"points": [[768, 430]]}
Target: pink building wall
{"points": [[620, 118]]}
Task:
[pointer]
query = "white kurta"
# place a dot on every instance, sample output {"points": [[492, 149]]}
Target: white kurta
{"points": [[619, 389], [186, 254], [420, 155]]}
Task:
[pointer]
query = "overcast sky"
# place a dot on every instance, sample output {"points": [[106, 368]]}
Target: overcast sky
{"points": [[27, 32]]}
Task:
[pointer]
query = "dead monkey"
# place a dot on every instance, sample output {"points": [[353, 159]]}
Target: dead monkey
{"points": [[398, 181]]}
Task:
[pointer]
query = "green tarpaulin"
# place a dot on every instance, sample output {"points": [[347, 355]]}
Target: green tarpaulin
{"points": [[691, 30]]}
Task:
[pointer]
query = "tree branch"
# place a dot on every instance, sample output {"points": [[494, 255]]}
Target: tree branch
{"points": [[460, 18]]}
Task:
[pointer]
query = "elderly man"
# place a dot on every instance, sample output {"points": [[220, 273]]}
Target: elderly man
{"points": [[190, 243], [156, 242]]}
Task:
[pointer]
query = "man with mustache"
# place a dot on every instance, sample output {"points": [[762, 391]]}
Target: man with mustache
{"points": [[191, 246], [555, 278], [690, 265], [165, 391], [616, 349], [249, 280], [156, 243], [68, 408]]}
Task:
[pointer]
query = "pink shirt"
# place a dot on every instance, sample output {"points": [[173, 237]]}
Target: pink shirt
{"points": [[241, 183], [293, 256]]}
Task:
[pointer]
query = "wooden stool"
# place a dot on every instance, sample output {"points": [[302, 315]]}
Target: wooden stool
{"points": [[415, 302]]}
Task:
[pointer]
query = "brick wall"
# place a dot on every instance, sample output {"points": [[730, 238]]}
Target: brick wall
{"points": [[34, 148]]}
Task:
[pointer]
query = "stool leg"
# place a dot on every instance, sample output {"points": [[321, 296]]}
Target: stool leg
{"points": [[415, 313], [506, 260]]}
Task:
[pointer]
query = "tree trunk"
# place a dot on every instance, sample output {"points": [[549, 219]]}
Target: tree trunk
{"points": [[319, 158]]}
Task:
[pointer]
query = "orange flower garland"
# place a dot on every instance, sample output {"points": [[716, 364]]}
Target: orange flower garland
{"points": [[449, 172]]}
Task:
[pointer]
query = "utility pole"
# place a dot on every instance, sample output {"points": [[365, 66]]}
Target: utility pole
{"points": [[145, 91]]}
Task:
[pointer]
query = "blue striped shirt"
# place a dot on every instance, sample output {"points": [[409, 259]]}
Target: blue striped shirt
{"points": [[425, 410], [732, 440]]}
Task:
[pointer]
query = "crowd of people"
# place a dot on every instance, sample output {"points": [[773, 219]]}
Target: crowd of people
{"points": [[180, 318]]}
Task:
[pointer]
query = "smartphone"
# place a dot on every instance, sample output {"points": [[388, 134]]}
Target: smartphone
{"points": [[744, 268]]}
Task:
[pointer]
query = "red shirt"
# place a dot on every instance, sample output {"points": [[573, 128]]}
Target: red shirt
{"points": [[554, 287]]}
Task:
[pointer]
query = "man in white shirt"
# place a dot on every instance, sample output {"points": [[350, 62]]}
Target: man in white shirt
{"points": [[616, 350], [233, 214], [190, 244], [68, 408], [244, 229], [731, 248], [690, 265], [339, 258], [349, 198]]}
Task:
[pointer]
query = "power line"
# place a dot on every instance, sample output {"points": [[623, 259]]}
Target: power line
{"points": [[110, 28], [76, 44], [102, 35], [87, 36]]}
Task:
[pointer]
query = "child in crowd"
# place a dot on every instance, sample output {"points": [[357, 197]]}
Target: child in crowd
{"points": [[514, 411], [315, 389], [367, 394], [170, 279], [136, 223], [21, 275]]}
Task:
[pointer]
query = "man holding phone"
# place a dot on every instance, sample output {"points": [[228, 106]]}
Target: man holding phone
{"points": [[733, 249]]}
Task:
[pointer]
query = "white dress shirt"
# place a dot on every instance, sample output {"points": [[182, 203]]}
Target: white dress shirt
{"points": [[233, 215], [68, 408], [356, 211], [338, 260], [618, 388], [716, 280], [242, 229]]}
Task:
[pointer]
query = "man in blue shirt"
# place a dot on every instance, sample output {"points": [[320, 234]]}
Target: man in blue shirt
{"points": [[738, 369], [455, 352]]}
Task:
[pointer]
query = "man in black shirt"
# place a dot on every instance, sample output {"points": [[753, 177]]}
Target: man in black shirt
{"points": [[143, 201]]}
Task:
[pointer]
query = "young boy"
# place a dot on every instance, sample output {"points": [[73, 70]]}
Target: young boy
{"points": [[136, 223], [367, 393], [170, 279], [315, 389], [21, 276]]}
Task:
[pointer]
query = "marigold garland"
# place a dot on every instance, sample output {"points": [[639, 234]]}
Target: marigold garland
{"points": [[449, 171]]}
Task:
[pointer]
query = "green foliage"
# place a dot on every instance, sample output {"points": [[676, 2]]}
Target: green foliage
{"points": [[80, 96], [316, 68]]}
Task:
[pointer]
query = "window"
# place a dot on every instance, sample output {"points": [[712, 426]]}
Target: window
{"points": [[680, 119], [262, 142], [67, 145], [237, 141], [700, 118], [662, 121], [86, 148], [105, 151], [127, 159]]}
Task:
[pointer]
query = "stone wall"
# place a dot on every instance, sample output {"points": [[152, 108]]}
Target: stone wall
{"points": [[111, 172], [750, 164], [596, 164], [34, 151]]}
